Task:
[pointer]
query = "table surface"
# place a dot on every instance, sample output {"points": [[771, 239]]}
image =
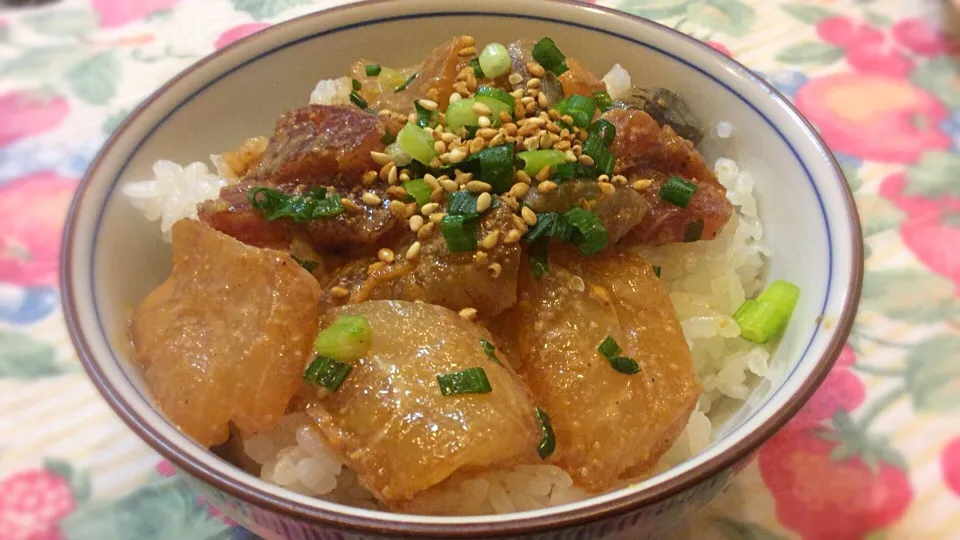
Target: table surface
{"points": [[875, 454]]}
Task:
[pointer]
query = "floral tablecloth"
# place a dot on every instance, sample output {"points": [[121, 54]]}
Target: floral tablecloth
{"points": [[876, 454]]}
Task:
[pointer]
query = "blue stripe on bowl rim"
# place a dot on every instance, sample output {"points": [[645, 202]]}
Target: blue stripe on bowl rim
{"points": [[439, 14]]}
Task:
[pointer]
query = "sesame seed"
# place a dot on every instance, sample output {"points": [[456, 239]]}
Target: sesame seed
{"points": [[411, 208], [386, 255], [518, 93], [481, 109], [457, 155], [369, 177], [415, 223], [349, 204], [412, 118], [544, 173], [533, 83], [519, 189], [483, 202], [431, 181], [449, 185], [532, 143], [495, 270], [455, 97], [429, 208], [380, 158], [339, 292], [448, 138], [404, 177], [536, 69], [439, 147], [568, 155], [413, 251], [398, 209], [480, 258], [510, 128], [563, 146], [370, 199], [463, 178], [375, 266], [504, 116], [490, 241], [498, 139], [515, 78], [603, 178], [433, 94], [529, 216], [487, 133], [586, 160], [428, 104], [466, 41], [468, 313], [392, 175], [436, 195], [619, 179], [641, 185], [567, 119], [426, 231], [527, 100], [522, 176], [443, 157], [467, 51], [511, 202], [546, 187], [437, 217], [477, 186], [434, 163], [512, 237], [546, 139], [543, 101], [385, 170], [518, 222], [483, 121], [607, 188], [533, 92], [477, 145]]}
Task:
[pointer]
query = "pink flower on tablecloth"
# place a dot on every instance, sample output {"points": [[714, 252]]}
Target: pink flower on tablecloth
{"points": [[874, 117], [950, 463], [716, 45], [846, 32], [28, 113], [32, 211], [922, 39], [166, 470], [117, 13], [841, 389], [32, 503], [237, 33]]}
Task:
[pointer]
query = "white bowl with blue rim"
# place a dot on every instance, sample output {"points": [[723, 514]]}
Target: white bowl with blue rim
{"points": [[113, 258]]}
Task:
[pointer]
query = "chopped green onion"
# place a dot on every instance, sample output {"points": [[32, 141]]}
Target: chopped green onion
{"points": [[534, 160], [462, 203], [469, 381], [546, 53], [590, 236], [460, 113], [656, 271], [603, 100], [609, 347], [604, 163], [307, 264], [625, 365], [603, 158], [424, 116], [537, 256], [356, 84], [358, 101], [496, 107], [372, 70], [417, 143], [581, 108], [693, 231], [549, 441], [765, 317], [419, 190], [496, 93], [496, 167], [460, 232], [677, 191], [327, 373], [315, 204], [604, 129], [781, 294], [348, 338], [388, 138], [569, 171], [407, 82], [471, 131], [477, 70], [495, 60], [549, 224], [489, 350]]}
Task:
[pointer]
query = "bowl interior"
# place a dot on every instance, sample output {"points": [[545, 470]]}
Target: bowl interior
{"points": [[115, 257]]}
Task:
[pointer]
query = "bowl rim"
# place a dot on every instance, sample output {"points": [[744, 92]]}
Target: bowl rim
{"points": [[740, 450]]}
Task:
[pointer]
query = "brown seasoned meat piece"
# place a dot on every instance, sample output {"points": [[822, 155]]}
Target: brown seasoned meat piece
{"points": [[580, 80], [645, 151], [226, 337], [521, 54], [233, 215], [606, 423], [435, 79], [390, 422], [668, 108], [619, 212], [320, 145]]}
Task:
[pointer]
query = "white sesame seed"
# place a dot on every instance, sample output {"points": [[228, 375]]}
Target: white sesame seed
{"points": [[437, 217], [380, 158], [468, 313], [619, 179], [512, 237], [543, 101], [467, 51], [436, 195], [481, 109], [428, 104], [415, 223], [449, 185], [486, 133], [429, 208], [483, 202], [495, 270], [386, 255], [457, 155], [529, 216], [519, 189], [641, 185], [546, 187], [455, 97], [439, 147], [413, 251], [569, 156], [515, 78], [369, 198], [339, 292], [426, 231], [603, 178], [392, 175], [490, 241], [483, 121], [533, 83], [431, 181], [607, 188], [477, 186]]}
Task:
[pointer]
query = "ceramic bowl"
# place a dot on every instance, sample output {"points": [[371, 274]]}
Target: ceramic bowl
{"points": [[113, 257]]}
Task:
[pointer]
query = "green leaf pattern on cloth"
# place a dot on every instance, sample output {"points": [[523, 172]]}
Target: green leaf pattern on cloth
{"points": [[810, 53]]}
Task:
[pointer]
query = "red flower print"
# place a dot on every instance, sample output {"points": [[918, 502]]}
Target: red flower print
{"points": [[118, 13], [919, 37], [29, 113], [874, 117], [826, 499], [237, 33], [32, 212], [879, 58], [720, 47], [845, 32], [950, 463], [841, 389], [31, 504], [165, 469]]}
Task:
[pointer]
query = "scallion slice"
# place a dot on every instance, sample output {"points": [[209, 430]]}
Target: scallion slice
{"points": [[535, 160], [358, 101], [460, 113], [763, 318], [603, 100], [537, 256], [496, 107], [549, 441], [424, 116], [327, 373], [477, 70], [609, 347], [315, 204], [419, 190], [604, 129], [603, 158], [496, 167], [356, 84], [677, 191], [496, 93], [388, 138], [546, 53], [581, 108], [494, 60], [372, 70], [460, 232], [693, 231], [604, 163], [490, 350], [417, 143], [348, 338], [656, 271], [307, 264], [462, 203], [469, 381], [407, 82], [590, 236], [549, 224]]}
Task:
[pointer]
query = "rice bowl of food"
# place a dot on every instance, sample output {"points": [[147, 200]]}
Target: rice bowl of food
{"points": [[538, 278]]}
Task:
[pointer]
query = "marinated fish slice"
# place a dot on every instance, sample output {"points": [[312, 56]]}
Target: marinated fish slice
{"points": [[606, 422], [668, 108], [580, 80], [620, 212], [645, 151], [226, 336], [434, 81], [391, 424]]}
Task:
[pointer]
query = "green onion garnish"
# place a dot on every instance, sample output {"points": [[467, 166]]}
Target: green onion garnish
{"points": [[462, 203], [693, 231], [356, 84], [417, 143], [495, 60], [315, 204], [327, 372], [590, 236], [496, 106], [765, 317], [603, 158], [460, 232], [307, 264], [348, 338], [581, 108], [535, 160], [471, 131], [469, 381], [656, 271], [407, 82], [372, 70], [358, 101], [424, 116], [477, 70], [495, 167], [549, 441], [489, 350], [419, 191], [609, 347], [603, 99], [496, 93], [546, 53], [604, 163], [549, 224], [610, 350], [460, 113], [388, 138], [537, 256], [677, 191], [604, 129]]}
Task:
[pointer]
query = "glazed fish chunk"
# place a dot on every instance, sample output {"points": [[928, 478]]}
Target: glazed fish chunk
{"points": [[607, 423], [389, 420], [225, 337]]}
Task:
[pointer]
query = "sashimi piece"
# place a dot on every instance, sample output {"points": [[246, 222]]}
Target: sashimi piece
{"points": [[606, 422], [435, 78], [225, 338], [578, 79], [390, 422], [619, 212]]}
